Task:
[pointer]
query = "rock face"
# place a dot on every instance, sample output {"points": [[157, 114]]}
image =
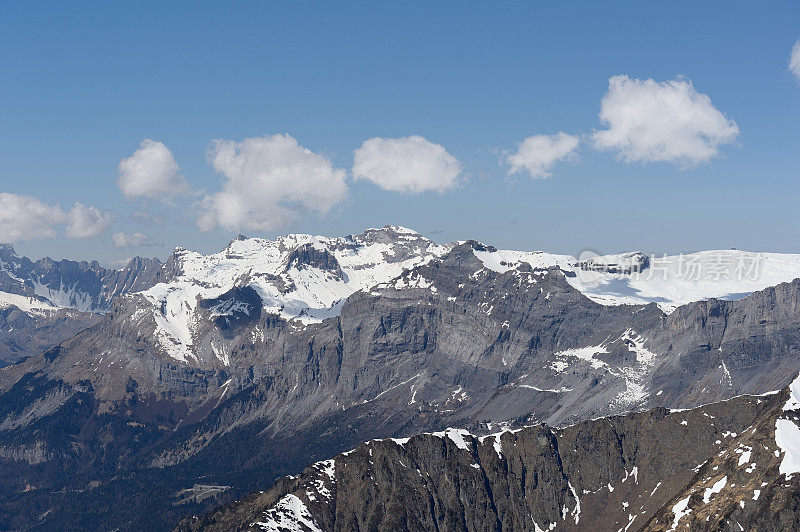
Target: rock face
{"points": [[80, 285], [237, 368], [45, 302], [716, 467], [24, 334]]}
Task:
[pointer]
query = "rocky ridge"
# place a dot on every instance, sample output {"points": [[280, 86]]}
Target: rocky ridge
{"points": [[240, 367], [726, 466]]}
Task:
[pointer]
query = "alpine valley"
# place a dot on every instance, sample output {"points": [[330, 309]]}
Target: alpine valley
{"points": [[430, 386]]}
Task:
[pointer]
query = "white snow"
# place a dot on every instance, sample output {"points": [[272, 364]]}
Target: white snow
{"points": [[787, 434], [496, 443], [504, 260], [745, 457], [326, 468], [794, 396], [670, 281], [576, 513], [305, 293], [288, 515], [680, 510], [634, 473], [654, 489], [65, 297], [378, 259], [633, 376], [30, 305], [787, 437], [549, 390], [716, 488], [456, 436], [583, 353]]}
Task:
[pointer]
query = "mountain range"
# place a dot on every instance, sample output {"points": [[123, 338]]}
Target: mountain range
{"points": [[46, 302], [169, 389]]}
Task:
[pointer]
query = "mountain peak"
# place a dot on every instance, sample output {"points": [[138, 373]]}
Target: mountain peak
{"points": [[7, 250]]}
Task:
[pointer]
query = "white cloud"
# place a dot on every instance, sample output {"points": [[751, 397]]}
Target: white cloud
{"points": [[87, 222], [27, 218], [661, 121], [794, 60], [132, 240], [406, 164], [537, 154], [151, 172], [268, 182]]}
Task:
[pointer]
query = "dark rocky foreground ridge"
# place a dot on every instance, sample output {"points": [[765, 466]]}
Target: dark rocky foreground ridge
{"points": [[110, 430], [716, 467]]}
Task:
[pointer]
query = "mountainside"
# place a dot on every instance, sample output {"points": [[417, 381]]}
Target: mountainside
{"points": [[237, 368], [726, 466], [45, 302]]}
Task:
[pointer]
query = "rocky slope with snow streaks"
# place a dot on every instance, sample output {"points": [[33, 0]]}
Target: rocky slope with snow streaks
{"points": [[717, 467]]}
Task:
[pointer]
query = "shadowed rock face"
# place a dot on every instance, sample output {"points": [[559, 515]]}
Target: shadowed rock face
{"points": [[627, 472], [22, 334], [307, 256], [450, 343]]}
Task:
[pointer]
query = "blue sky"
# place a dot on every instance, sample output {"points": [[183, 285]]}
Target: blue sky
{"points": [[84, 83]]}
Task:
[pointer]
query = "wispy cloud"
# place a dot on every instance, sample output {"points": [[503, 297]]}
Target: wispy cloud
{"points": [[87, 222], [133, 240], [537, 154], [794, 60]]}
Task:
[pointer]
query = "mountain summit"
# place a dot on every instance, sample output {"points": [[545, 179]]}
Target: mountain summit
{"points": [[230, 370]]}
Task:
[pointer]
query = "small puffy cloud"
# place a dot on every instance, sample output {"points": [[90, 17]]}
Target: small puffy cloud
{"points": [[794, 60], [665, 121], [132, 240], [151, 172], [87, 222], [537, 154], [27, 218], [407, 164], [267, 183]]}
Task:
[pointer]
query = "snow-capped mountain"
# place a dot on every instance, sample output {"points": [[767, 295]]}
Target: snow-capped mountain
{"points": [[307, 278], [297, 277], [235, 368], [47, 284], [45, 302]]}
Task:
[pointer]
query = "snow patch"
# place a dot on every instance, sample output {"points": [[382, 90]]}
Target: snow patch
{"points": [[716, 488], [289, 514], [680, 509], [787, 433]]}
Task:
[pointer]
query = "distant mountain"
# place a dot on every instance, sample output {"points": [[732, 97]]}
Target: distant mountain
{"points": [[45, 302], [726, 466], [236, 368], [79, 285]]}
